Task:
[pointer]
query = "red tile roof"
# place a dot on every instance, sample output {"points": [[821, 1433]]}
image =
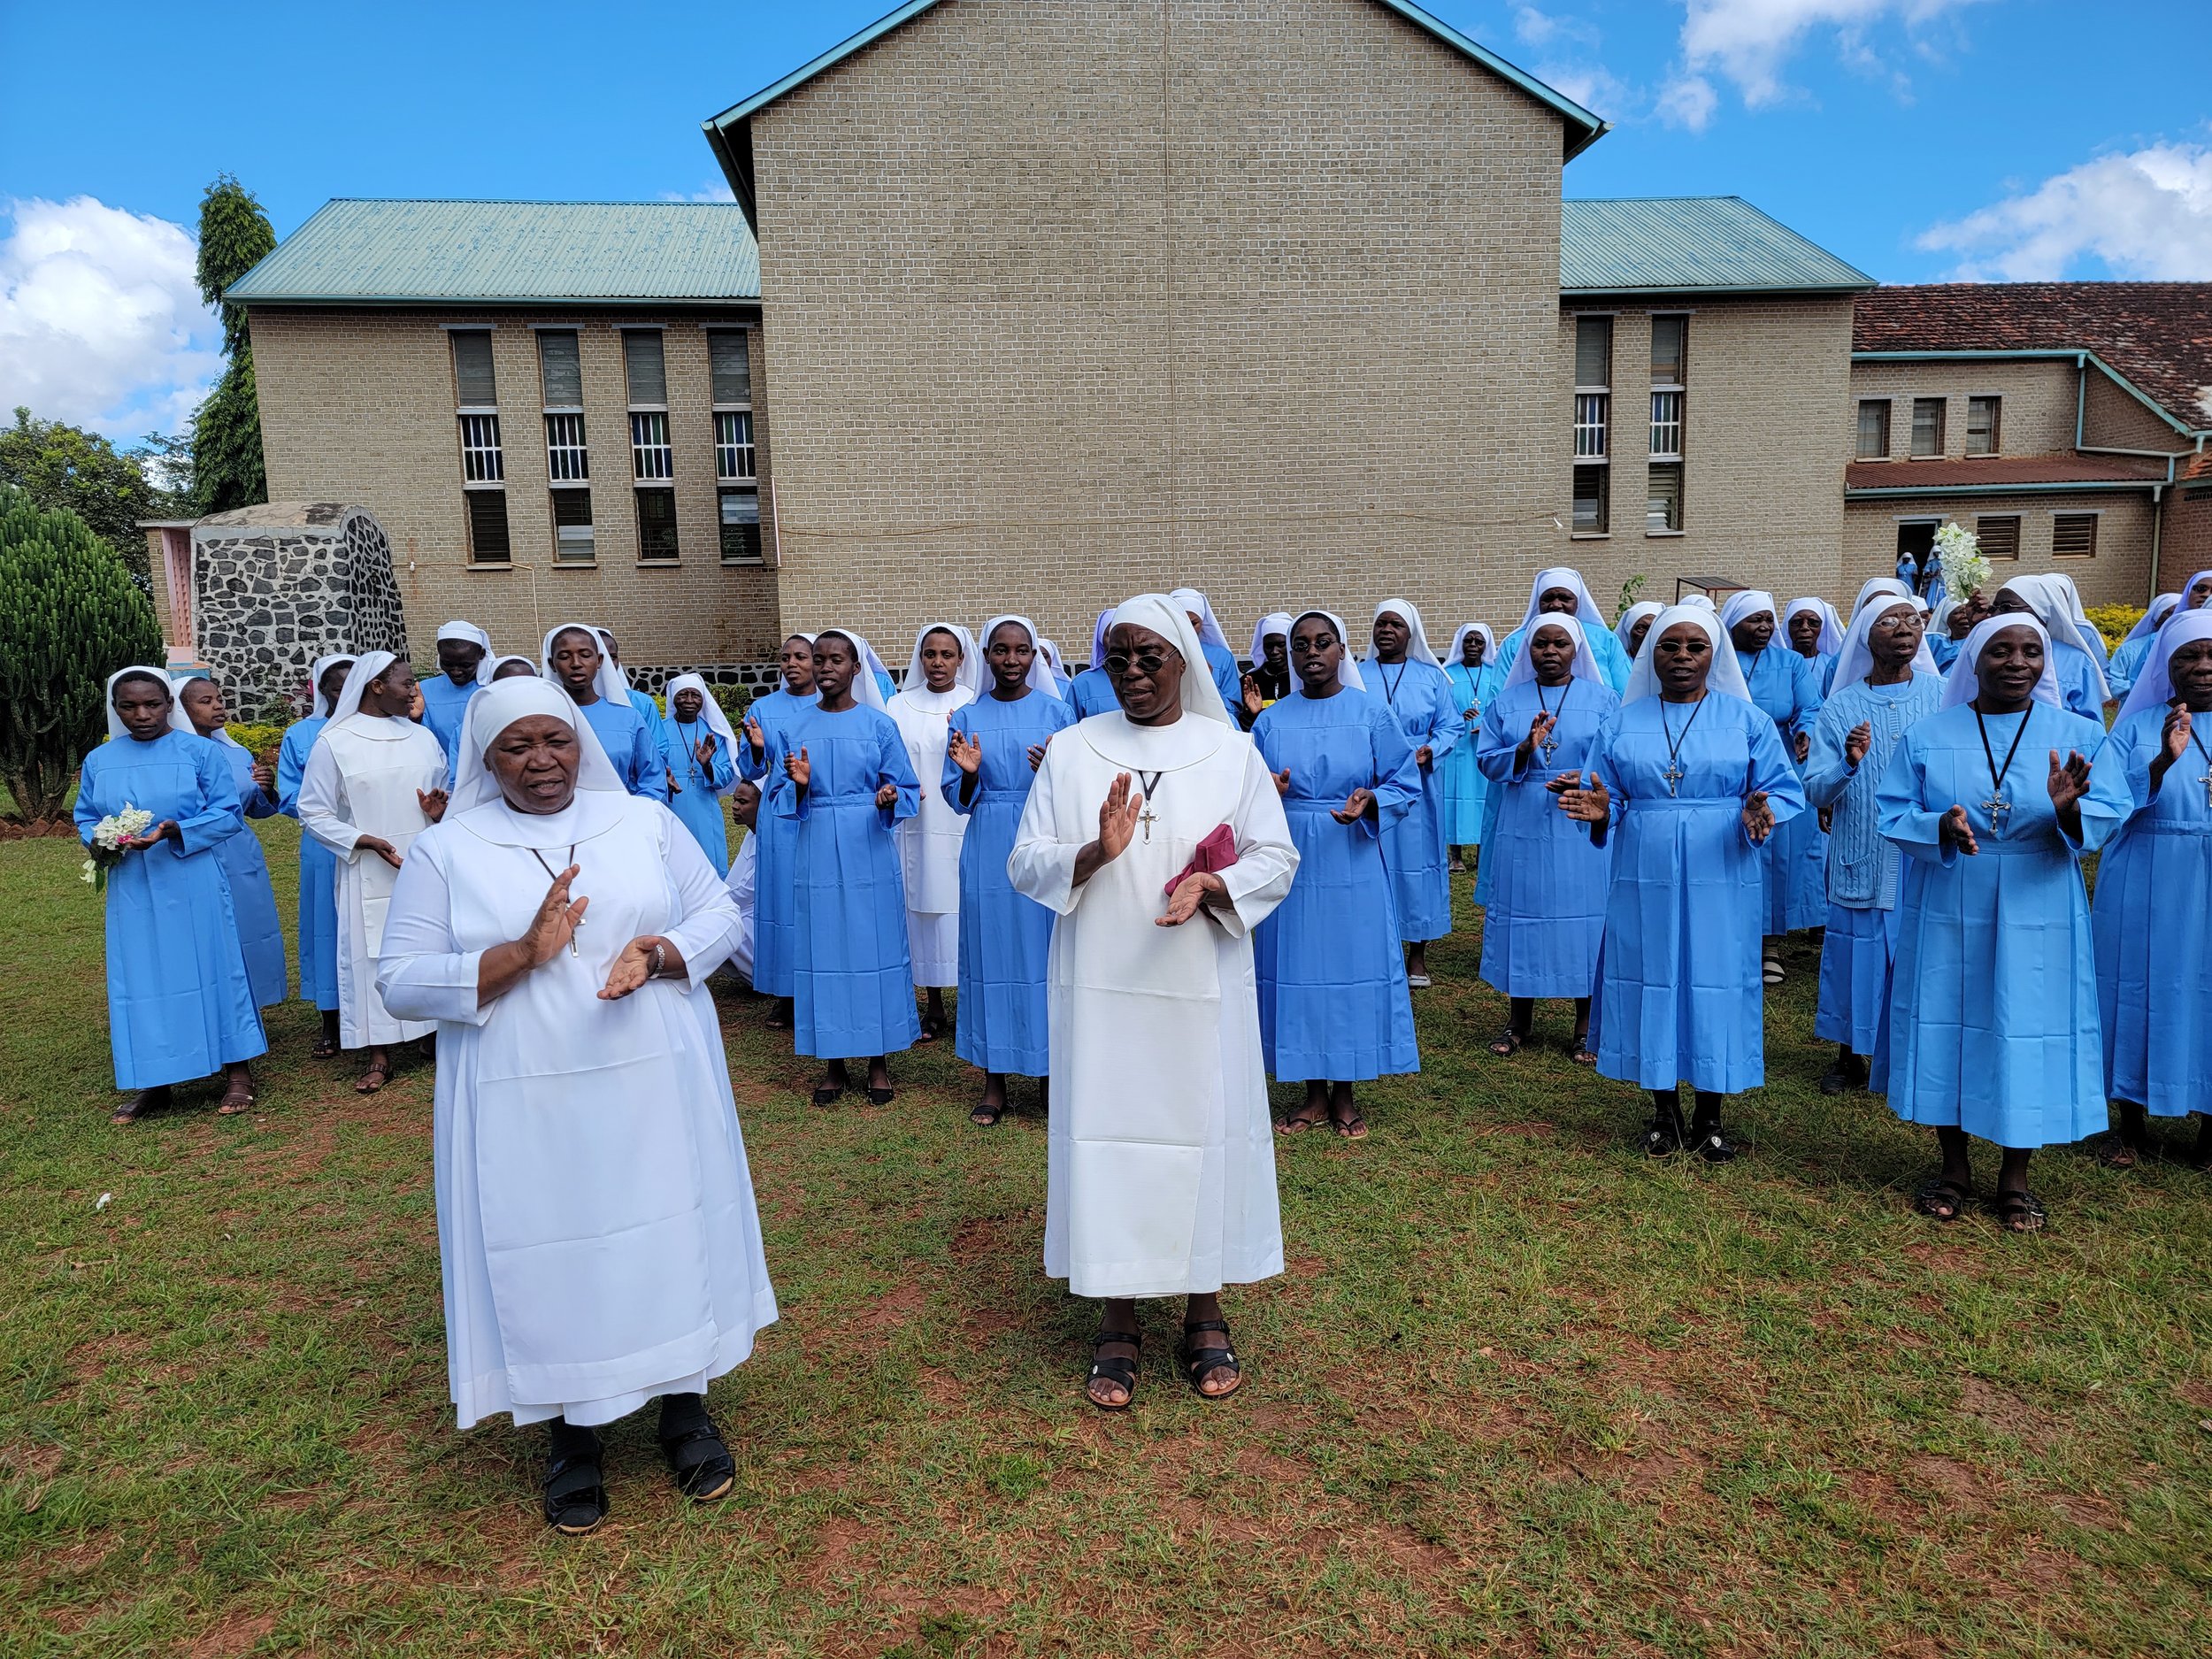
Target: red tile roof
{"points": [[2157, 335], [2005, 469], [2198, 468]]}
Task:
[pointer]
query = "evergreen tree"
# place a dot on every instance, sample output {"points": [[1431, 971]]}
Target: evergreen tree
{"points": [[227, 471], [62, 466]]}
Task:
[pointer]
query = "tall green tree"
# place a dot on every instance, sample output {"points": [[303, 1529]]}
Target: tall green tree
{"points": [[227, 471], [62, 467]]}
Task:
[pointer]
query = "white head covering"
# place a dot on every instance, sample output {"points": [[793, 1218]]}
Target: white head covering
{"points": [[1039, 676], [117, 730], [970, 673], [365, 671], [865, 690], [1208, 628], [496, 708], [1964, 684], [2047, 599], [1417, 649], [1940, 617], [1855, 661], [1098, 637], [181, 721], [606, 636], [2151, 620], [2061, 585], [1727, 674], [491, 666], [1630, 616], [1749, 602], [1459, 642], [1274, 622], [1878, 585], [1347, 672], [468, 630], [1696, 601], [710, 711], [2155, 686], [1585, 663], [1051, 654], [1830, 639], [1164, 615], [319, 708], [1565, 576], [611, 683]]}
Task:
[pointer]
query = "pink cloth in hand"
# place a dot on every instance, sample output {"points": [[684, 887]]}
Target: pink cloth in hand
{"points": [[1214, 854]]}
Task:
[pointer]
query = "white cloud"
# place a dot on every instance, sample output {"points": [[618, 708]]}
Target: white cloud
{"points": [[1532, 28], [2146, 214], [101, 323], [1593, 86], [714, 190], [1688, 101], [1749, 41]]}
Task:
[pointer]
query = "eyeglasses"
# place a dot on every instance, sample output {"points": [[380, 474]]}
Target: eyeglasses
{"points": [[1119, 663]]}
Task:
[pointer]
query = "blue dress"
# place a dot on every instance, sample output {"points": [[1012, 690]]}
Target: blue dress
{"points": [[649, 712], [1612, 657], [775, 898], [1546, 919], [1794, 863], [2154, 980], [1944, 650], [1464, 784], [444, 706], [252, 899], [318, 872], [1992, 1017], [697, 805], [2077, 682], [1228, 677], [629, 745], [2127, 662], [1092, 692], [1420, 696], [852, 980], [1334, 1003], [1679, 994], [1823, 667], [1005, 936], [179, 1005], [1859, 948]]}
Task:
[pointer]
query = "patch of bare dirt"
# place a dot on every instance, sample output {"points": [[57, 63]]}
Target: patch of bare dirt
{"points": [[2000, 1410], [232, 1634]]}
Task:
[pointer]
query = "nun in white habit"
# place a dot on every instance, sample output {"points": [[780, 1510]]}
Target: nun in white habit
{"points": [[941, 681], [595, 1217], [1155, 833]]}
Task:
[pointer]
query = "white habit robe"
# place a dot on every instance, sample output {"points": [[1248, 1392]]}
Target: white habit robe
{"points": [[595, 1215], [929, 842], [361, 779], [744, 885], [1161, 1176]]}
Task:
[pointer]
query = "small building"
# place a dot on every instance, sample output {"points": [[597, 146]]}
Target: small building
{"points": [[2065, 423]]}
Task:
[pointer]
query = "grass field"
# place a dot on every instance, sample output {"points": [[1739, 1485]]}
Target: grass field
{"points": [[1521, 1391]]}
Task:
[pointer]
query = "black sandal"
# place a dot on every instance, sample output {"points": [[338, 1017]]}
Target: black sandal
{"points": [[987, 1117], [1201, 1362], [575, 1489], [932, 1030], [141, 1105], [701, 1464], [1582, 1054], [1352, 1128], [1507, 1043], [1118, 1369], [2019, 1212], [828, 1095], [1941, 1199], [325, 1048], [1664, 1139], [881, 1096], [1298, 1123]]}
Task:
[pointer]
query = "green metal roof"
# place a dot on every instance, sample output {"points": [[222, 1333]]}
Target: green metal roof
{"points": [[1690, 244], [355, 252], [729, 135]]}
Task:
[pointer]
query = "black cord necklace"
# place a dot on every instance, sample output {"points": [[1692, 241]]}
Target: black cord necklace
{"points": [[552, 874], [1675, 772], [1550, 745], [1151, 782], [1998, 808], [1390, 686]]}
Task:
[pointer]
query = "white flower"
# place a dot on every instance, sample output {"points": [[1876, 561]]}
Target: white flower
{"points": [[1958, 555]]}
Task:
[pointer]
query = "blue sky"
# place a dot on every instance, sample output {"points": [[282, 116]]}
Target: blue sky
{"points": [[1919, 139]]}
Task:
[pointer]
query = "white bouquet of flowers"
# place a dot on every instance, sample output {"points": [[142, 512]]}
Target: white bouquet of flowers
{"points": [[113, 837], [1959, 556]]}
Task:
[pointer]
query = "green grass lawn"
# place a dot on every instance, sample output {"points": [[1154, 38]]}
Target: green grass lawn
{"points": [[1521, 1391]]}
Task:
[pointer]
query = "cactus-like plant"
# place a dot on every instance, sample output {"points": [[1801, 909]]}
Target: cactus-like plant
{"points": [[69, 617]]}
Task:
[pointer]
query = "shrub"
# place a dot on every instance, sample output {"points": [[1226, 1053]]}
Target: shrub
{"points": [[2113, 621], [70, 616], [259, 738], [735, 701]]}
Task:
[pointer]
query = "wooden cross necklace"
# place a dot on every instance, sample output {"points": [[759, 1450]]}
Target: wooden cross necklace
{"points": [[1675, 772], [1997, 806], [1151, 782]]}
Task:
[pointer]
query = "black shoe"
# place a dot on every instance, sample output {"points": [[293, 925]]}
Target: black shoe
{"points": [[575, 1490], [1711, 1144], [1664, 1139], [701, 1464], [1834, 1082]]}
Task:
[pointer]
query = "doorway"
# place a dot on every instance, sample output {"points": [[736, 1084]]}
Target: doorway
{"points": [[1915, 541]]}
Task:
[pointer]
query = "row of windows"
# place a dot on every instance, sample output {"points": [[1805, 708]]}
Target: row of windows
{"points": [[2073, 534], [1984, 420], [568, 452], [1593, 508]]}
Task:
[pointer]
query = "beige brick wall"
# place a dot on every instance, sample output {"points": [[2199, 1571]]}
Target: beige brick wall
{"points": [[2114, 417], [1071, 298], [2119, 573], [358, 406], [2038, 416], [1763, 492]]}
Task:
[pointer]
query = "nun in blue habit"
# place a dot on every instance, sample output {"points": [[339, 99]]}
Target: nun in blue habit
{"points": [[1994, 1031], [1692, 780], [2126, 664], [992, 753], [774, 897], [700, 751], [1815, 632], [840, 771], [179, 1005], [1092, 690], [318, 893], [1787, 686], [646, 710], [1545, 917], [1333, 1005], [1884, 683], [2155, 893], [1472, 667], [1404, 672], [200, 712], [572, 658], [464, 649], [2074, 662]]}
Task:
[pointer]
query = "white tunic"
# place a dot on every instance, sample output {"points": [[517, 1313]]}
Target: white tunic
{"points": [[744, 882], [1162, 1171], [362, 778], [595, 1217], [929, 842]]}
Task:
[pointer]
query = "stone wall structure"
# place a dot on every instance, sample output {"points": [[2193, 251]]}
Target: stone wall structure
{"points": [[275, 586]]}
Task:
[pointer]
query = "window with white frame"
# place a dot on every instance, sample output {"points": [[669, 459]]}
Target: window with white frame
{"points": [[650, 456], [733, 455], [481, 462], [566, 460]]}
